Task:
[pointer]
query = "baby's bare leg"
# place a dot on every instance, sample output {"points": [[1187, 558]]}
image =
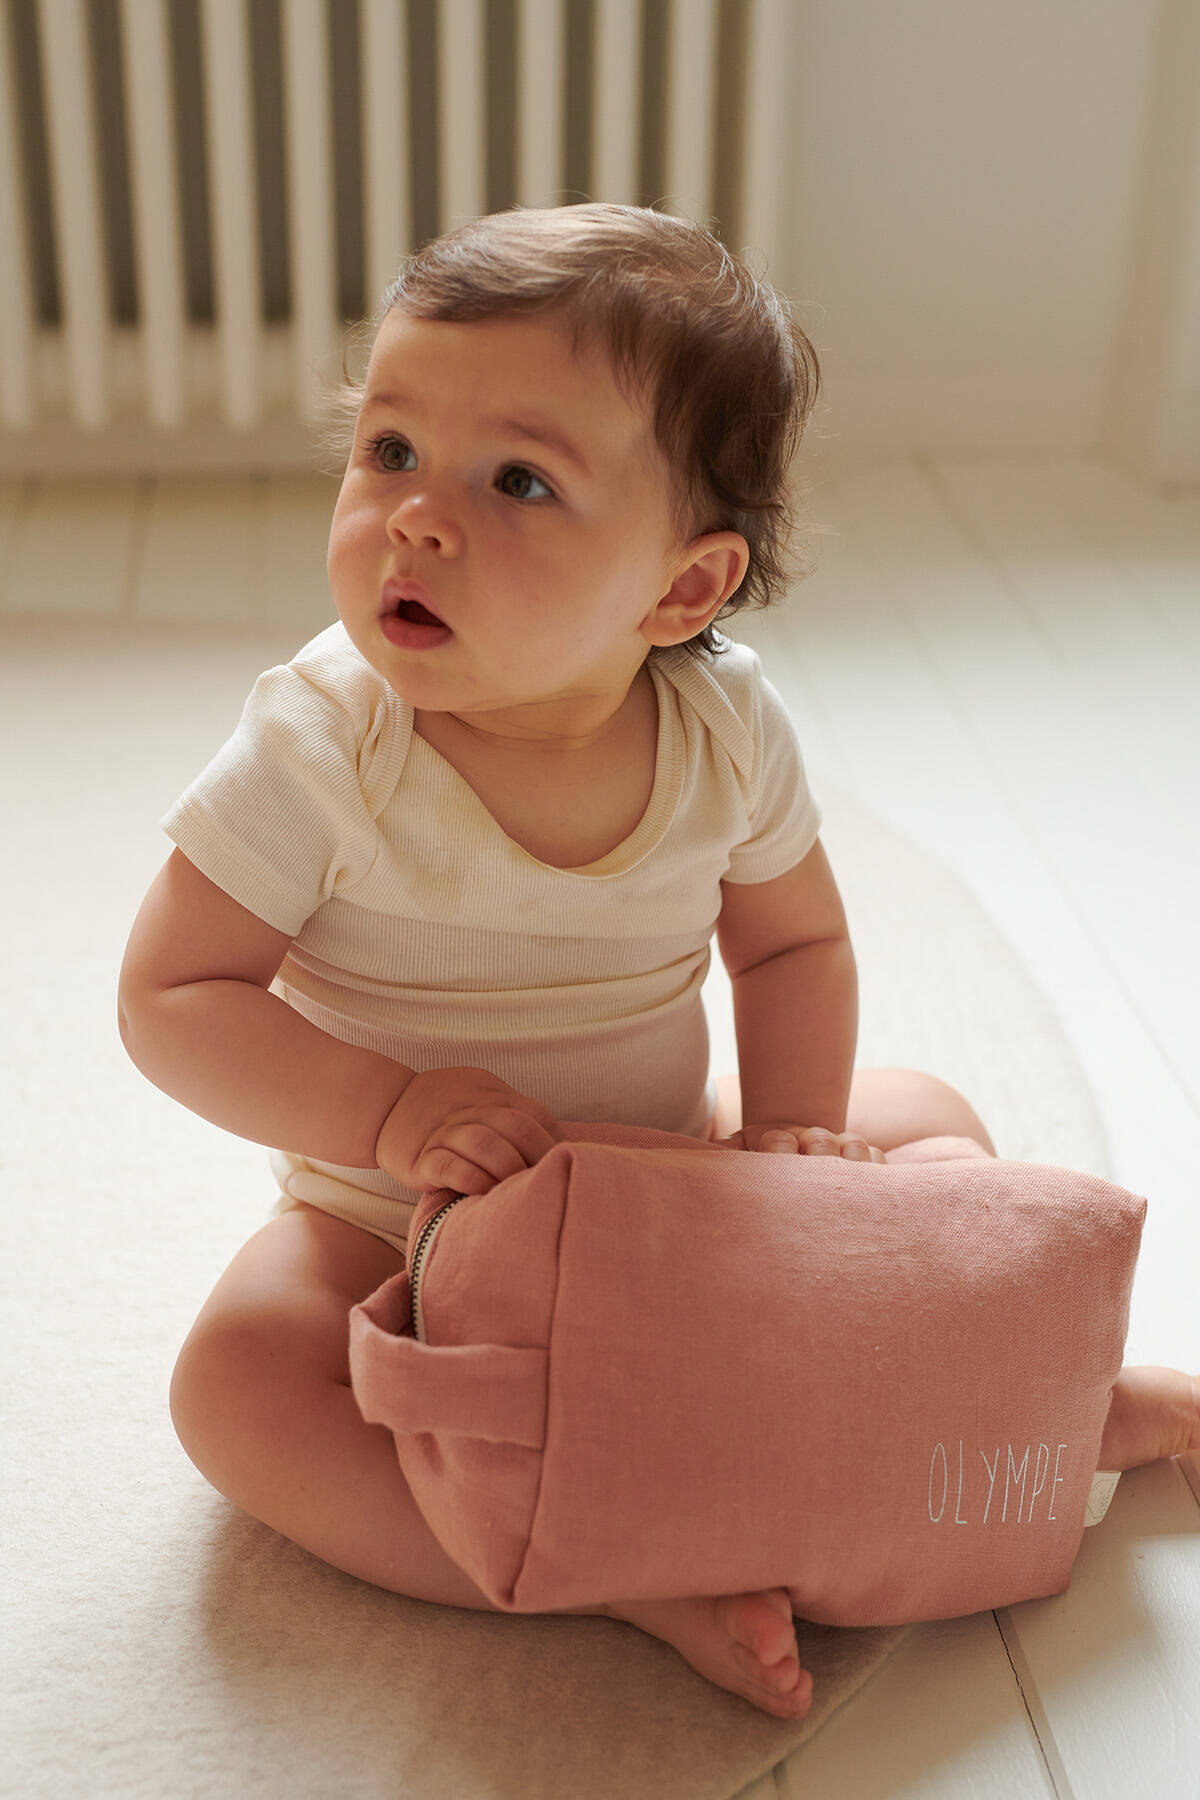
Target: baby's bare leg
{"points": [[262, 1403], [889, 1107]]}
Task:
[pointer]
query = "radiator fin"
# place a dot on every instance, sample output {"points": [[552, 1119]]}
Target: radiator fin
{"points": [[197, 196]]}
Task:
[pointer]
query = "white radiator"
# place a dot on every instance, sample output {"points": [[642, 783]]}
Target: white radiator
{"points": [[141, 326]]}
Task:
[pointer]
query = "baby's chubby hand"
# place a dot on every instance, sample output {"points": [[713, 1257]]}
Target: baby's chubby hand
{"points": [[805, 1140], [464, 1129]]}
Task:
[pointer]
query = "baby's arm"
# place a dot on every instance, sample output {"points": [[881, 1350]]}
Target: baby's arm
{"points": [[786, 946], [197, 1019]]}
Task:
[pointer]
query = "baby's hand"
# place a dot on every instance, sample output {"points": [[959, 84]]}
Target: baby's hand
{"points": [[809, 1140], [463, 1129]]}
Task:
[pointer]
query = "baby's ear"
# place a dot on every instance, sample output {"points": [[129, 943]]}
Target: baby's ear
{"points": [[714, 568]]}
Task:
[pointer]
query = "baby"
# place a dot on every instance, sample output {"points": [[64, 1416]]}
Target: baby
{"points": [[455, 876]]}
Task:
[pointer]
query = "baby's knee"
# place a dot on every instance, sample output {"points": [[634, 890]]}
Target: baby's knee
{"points": [[209, 1389], [950, 1114], [897, 1106], [238, 1376]]}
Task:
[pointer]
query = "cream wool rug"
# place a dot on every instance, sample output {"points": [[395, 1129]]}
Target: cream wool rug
{"points": [[156, 1641]]}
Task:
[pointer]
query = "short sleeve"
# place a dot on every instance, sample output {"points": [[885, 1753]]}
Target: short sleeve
{"points": [[278, 818], [784, 817]]}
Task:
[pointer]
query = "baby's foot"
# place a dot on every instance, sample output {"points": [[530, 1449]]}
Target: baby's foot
{"points": [[744, 1643], [1153, 1413]]}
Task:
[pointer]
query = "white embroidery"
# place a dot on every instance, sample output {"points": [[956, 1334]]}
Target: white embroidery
{"points": [[973, 1501]]}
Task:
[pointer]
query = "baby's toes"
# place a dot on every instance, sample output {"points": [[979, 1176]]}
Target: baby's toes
{"points": [[762, 1624], [1154, 1413]]}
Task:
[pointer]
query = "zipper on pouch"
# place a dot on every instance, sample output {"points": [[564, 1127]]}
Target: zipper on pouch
{"points": [[421, 1249]]}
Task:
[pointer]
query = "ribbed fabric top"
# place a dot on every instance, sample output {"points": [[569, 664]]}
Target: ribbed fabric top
{"points": [[423, 931]]}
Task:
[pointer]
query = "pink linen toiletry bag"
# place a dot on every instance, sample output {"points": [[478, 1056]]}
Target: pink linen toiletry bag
{"points": [[653, 1366]]}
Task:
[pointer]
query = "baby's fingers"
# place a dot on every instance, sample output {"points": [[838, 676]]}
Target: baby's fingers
{"points": [[815, 1140], [473, 1157], [856, 1149], [802, 1140], [532, 1132], [781, 1141], [473, 1173]]}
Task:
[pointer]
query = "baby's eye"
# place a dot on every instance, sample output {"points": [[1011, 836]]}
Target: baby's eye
{"points": [[387, 452], [380, 450], [527, 474]]}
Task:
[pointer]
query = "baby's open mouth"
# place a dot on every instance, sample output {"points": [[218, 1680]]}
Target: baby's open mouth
{"points": [[416, 614], [410, 625]]}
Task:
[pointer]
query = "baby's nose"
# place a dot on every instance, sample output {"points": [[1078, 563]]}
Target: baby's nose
{"points": [[425, 521]]}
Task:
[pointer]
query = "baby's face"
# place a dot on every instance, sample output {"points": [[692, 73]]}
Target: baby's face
{"points": [[541, 559]]}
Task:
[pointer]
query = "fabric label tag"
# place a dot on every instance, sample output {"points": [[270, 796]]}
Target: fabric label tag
{"points": [[1104, 1486]]}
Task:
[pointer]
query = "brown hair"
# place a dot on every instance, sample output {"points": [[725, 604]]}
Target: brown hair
{"points": [[732, 376]]}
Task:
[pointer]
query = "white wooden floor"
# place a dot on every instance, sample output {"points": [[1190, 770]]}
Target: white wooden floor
{"points": [[1001, 658]]}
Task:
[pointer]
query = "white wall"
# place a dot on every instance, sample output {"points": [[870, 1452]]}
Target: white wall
{"points": [[1153, 418], [971, 185]]}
